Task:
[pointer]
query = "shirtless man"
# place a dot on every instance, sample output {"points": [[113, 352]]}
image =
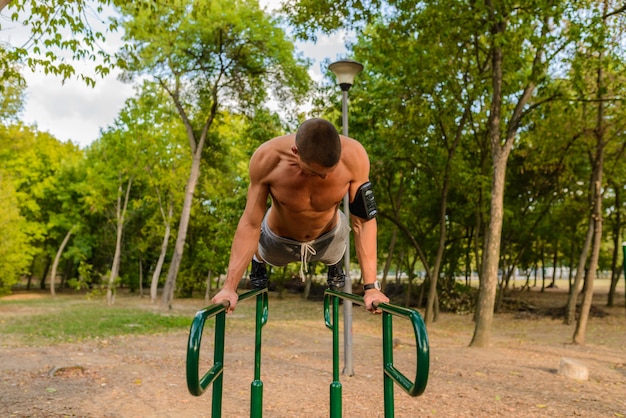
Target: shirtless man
{"points": [[307, 175]]}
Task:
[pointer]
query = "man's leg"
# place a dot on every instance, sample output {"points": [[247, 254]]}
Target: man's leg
{"points": [[258, 275], [336, 276]]}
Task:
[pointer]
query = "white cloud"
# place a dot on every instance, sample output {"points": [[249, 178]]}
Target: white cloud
{"points": [[72, 110]]}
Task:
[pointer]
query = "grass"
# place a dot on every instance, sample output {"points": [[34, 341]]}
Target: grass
{"points": [[37, 319], [60, 320]]}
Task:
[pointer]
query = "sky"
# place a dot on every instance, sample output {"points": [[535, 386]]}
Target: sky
{"points": [[73, 111]]}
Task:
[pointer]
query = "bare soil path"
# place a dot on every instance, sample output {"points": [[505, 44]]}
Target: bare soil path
{"points": [[144, 376]]}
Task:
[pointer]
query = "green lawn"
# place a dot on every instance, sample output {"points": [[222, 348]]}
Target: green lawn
{"points": [[70, 319]]}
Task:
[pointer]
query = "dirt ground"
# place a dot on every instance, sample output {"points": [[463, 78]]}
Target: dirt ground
{"points": [[144, 376]]}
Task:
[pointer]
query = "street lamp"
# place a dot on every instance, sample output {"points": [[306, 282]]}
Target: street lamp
{"points": [[345, 71]]}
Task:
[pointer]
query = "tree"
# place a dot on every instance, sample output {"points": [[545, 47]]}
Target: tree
{"points": [[511, 99], [15, 251], [206, 56], [60, 32], [33, 162], [11, 93], [115, 163], [161, 136], [605, 130]]}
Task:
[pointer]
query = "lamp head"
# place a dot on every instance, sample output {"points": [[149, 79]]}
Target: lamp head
{"points": [[345, 71]]}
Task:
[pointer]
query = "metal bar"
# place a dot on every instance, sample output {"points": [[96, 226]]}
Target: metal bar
{"points": [[388, 359], [335, 386], [413, 388], [218, 357], [196, 384], [256, 387]]}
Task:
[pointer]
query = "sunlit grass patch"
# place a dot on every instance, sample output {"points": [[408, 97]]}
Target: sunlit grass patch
{"points": [[49, 322]]}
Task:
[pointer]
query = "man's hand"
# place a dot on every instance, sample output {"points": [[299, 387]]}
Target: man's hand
{"points": [[227, 295], [374, 296]]}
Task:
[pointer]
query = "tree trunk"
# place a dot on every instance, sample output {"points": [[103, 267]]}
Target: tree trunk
{"points": [[170, 282], [394, 234], [555, 260], [194, 174], [581, 324], [207, 293], [387, 266], [140, 278], [543, 268], [42, 282], [56, 261], [499, 154], [154, 284], [120, 212], [430, 315], [570, 315], [596, 212], [307, 284], [617, 226], [468, 258], [491, 255]]}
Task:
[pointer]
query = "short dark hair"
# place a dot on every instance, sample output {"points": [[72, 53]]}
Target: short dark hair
{"points": [[318, 142]]}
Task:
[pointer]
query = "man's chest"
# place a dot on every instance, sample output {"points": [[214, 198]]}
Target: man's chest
{"points": [[304, 196]]}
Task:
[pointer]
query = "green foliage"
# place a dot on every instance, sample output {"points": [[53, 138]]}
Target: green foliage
{"points": [[15, 251], [32, 164], [84, 279], [209, 67], [312, 16], [11, 91], [60, 31]]}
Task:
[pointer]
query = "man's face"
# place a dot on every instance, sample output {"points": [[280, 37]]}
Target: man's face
{"points": [[316, 170]]}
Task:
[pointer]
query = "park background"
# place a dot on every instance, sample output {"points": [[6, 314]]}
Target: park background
{"points": [[495, 133]]}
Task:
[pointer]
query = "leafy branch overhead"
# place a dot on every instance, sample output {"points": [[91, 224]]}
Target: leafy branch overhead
{"points": [[60, 33]]}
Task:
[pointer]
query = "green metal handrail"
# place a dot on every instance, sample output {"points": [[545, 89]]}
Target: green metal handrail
{"points": [[196, 384], [391, 373]]}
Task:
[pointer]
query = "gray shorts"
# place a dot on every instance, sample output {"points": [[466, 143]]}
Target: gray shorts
{"points": [[328, 248]]}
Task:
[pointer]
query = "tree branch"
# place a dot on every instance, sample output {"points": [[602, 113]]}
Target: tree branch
{"points": [[614, 12]]}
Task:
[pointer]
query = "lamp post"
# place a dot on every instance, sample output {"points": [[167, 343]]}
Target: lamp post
{"points": [[345, 71]]}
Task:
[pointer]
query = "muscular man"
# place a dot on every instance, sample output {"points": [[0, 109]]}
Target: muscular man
{"points": [[307, 175]]}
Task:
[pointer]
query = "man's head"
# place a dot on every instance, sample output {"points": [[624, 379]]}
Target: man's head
{"points": [[318, 142]]}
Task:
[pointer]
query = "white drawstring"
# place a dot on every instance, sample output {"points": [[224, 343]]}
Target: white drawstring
{"points": [[306, 251]]}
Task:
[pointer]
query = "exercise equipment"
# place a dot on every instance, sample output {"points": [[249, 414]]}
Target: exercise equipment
{"points": [[198, 384]]}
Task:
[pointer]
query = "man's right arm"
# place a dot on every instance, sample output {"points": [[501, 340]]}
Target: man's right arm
{"points": [[246, 239]]}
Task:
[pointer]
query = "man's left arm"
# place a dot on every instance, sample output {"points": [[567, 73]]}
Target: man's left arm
{"points": [[363, 213], [365, 234]]}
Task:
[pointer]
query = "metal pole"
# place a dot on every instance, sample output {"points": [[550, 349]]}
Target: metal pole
{"points": [[347, 304]]}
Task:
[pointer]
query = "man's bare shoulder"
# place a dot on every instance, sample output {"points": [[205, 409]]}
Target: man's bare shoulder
{"points": [[353, 153], [269, 154]]}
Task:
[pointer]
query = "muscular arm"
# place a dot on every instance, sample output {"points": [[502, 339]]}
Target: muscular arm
{"points": [[246, 239], [365, 245], [365, 231]]}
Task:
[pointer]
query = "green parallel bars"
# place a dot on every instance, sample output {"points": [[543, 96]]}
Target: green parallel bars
{"points": [[197, 385], [391, 374]]}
